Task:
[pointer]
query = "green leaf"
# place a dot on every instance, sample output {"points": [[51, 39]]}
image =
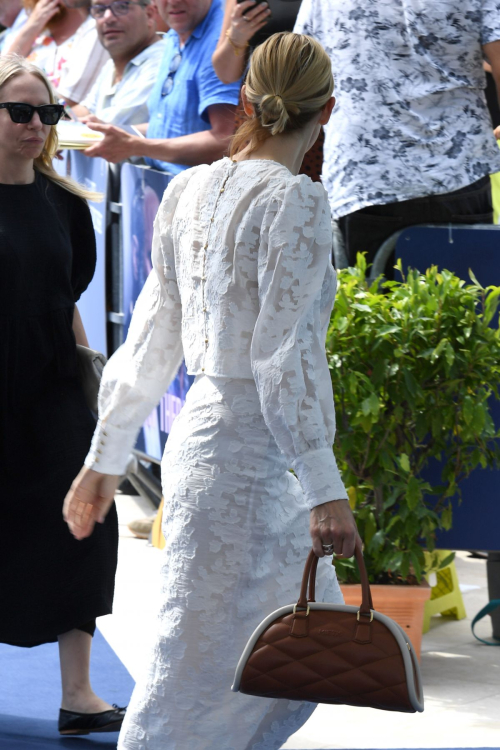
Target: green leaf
{"points": [[491, 304], [474, 280], [377, 541], [370, 528], [386, 330], [446, 561], [446, 518], [479, 418], [371, 405], [416, 565], [413, 493], [439, 349], [468, 410], [410, 382], [449, 354], [404, 462]]}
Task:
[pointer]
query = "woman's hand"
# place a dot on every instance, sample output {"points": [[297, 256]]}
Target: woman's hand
{"points": [[247, 19], [333, 523], [88, 501]]}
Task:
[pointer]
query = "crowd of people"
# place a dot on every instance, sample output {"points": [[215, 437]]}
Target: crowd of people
{"points": [[241, 287], [413, 142]]}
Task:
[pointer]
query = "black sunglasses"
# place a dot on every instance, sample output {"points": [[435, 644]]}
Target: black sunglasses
{"points": [[49, 114]]}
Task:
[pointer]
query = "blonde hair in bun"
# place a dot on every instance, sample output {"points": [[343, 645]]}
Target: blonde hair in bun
{"points": [[289, 81]]}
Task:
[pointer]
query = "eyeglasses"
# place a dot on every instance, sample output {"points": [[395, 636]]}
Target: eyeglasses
{"points": [[117, 8], [19, 112], [174, 67]]}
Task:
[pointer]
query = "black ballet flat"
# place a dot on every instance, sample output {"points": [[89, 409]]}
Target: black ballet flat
{"points": [[71, 722]]}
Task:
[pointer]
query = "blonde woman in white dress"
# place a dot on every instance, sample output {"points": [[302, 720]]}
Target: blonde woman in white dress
{"points": [[242, 287]]}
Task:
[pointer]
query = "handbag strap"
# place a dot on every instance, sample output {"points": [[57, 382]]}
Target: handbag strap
{"points": [[482, 613], [309, 582]]}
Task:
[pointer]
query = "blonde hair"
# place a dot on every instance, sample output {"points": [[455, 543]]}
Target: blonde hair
{"points": [[289, 81], [12, 66]]}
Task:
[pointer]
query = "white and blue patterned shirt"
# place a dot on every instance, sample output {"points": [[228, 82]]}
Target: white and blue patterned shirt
{"points": [[411, 116]]}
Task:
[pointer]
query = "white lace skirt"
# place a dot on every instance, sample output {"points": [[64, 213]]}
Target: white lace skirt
{"points": [[237, 535]]}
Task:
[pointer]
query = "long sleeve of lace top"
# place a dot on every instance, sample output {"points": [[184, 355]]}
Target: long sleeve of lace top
{"points": [[288, 345], [140, 371]]}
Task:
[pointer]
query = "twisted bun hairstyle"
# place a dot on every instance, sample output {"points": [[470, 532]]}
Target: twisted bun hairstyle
{"points": [[289, 81]]}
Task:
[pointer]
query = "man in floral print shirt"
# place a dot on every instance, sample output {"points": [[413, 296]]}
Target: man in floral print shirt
{"points": [[410, 140]]}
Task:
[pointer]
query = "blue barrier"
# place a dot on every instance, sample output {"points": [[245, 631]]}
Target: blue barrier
{"points": [[141, 191], [476, 521], [93, 174]]}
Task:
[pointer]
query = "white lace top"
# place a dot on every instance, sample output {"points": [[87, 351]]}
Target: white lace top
{"points": [[242, 287]]}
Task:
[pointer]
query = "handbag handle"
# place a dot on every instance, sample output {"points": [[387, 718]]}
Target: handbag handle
{"points": [[309, 582]]}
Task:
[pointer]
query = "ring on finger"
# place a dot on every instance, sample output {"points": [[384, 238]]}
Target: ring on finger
{"points": [[327, 549], [246, 19]]}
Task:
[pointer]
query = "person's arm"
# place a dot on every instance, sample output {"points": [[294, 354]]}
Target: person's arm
{"points": [[22, 42], [78, 329], [79, 110], [135, 377], [204, 147], [288, 355], [492, 53], [241, 22]]}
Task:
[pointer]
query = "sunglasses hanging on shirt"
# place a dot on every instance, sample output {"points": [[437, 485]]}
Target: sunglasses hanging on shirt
{"points": [[169, 81]]}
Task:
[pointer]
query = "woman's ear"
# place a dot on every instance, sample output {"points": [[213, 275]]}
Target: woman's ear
{"points": [[249, 108], [326, 112]]}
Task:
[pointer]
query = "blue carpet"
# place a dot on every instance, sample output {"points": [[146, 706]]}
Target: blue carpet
{"points": [[30, 695]]}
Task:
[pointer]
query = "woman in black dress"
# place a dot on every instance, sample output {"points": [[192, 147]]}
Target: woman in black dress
{"points": [[52, 587]]}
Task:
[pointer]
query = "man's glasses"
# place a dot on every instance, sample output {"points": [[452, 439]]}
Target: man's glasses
{"points": [[174, 67], [49, 114], [117, 8]]}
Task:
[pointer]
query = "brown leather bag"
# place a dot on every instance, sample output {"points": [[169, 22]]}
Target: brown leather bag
{"points": [[332, 653]]}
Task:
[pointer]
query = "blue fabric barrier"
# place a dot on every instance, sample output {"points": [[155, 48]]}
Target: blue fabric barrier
{"points": [[141, 193], [93, 175]]}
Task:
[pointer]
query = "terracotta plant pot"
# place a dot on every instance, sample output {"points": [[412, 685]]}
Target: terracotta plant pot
{"points": [[404, 604]]}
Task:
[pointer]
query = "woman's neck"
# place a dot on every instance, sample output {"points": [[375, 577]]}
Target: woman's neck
{"points": [[19, 173], [64, 28], [288, 149]]}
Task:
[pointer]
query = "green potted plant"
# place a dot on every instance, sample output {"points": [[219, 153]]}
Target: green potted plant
{"points": [[413, 364]]}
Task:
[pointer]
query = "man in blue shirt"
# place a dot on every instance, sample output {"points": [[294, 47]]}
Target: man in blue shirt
{"points": [[191, 112]]}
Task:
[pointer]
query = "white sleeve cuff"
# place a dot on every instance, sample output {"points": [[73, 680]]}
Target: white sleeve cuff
{"points": [[319, 477], [110, 449]]}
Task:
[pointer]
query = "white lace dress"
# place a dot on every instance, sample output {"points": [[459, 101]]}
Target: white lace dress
{"points": [[242, 287]]}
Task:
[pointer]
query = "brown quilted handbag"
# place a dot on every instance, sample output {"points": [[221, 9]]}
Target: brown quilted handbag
{"points": [[331, 653]]}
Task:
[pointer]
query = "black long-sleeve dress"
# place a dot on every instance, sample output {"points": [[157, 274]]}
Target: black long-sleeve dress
{"points": [[49, 582]]}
